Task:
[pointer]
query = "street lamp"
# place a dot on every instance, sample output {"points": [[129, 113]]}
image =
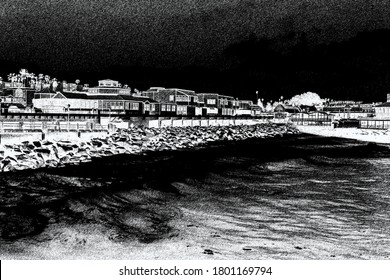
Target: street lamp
{"points": [[68, 117], [109, 117], [257, 96]]}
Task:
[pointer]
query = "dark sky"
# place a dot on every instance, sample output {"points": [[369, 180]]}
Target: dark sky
{"points": [[80, 36]]}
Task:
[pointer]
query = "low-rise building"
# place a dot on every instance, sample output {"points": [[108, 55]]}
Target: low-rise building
{"points": [[382, 111], [209, 100], [214, 103], [350, 109], [180, 101], [312, 118], [77, 102], [19, 95], [108, 86], [245, 104], [284, 110]]}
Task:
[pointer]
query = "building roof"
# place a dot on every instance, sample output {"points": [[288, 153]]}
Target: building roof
{"points": [[71, 95], [137, 98], [105, 87], [226, 96], [156, 88], [288, 108], [104, 97], [315, 113], [107, 80], [208, 93], [82, 95], [181, 91]]}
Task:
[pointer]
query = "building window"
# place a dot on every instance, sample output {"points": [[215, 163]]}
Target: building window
{"points": [[182, 98], [173, 108], [211, 102], [171, 98], [134, 106], [163, 107]]}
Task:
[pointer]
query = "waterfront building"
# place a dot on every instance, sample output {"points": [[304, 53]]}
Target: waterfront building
{"points": [[108, 86], [375, 123], [227, 105], [256, 110], [312, 118], [64, 102], [146, 106], [108, 83], [18, 95], [209, 102], [286, 108], [244, 108], [245, 104], [9, 102], [350, 109], [85, 103], [381, 120], [283, 110], [173, 95], [382, 111], [180, 101], [214, 103]]}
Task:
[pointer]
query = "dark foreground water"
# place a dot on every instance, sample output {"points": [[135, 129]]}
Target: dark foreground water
{"points": [[289, 198]]}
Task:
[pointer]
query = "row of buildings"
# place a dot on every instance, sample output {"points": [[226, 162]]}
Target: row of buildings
{"points": [[110, 97], [339, 113]]}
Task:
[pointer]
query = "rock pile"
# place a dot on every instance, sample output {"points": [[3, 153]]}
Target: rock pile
{"points": [[38, 154]]}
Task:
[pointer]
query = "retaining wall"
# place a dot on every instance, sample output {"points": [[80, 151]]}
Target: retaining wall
{"points": [[17, 137]]}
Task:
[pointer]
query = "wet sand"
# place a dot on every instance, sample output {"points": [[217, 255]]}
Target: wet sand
{"points": [[367, 135], [298, 197]]}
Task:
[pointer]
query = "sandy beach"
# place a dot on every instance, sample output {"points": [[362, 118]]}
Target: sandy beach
{"points": [[368, 135]]}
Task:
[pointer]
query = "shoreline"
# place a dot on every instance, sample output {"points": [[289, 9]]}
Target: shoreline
{"points": [[360, 134], [29, 155], [52, 218]]}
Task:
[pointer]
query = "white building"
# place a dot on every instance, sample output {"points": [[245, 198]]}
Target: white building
{"points": [[108, 86], [382, 111], [108, 83]]}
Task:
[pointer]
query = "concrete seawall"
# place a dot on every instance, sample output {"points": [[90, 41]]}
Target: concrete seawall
{"points": [[10, 138], [191, 122], [17, 136]]}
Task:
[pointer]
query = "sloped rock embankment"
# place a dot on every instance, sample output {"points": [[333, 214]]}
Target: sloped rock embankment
{"points": [[39, 154]]}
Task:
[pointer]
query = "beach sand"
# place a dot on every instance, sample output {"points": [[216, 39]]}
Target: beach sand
{"points": [[368, 135]]}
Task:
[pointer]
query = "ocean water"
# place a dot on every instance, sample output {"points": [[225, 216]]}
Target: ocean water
{"points": [[298, 197]]}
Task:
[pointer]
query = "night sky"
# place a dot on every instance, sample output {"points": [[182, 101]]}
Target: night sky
{"points": [[337, 48]]}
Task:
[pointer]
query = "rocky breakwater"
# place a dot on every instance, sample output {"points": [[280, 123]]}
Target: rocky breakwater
{"points": [[39, 154]]}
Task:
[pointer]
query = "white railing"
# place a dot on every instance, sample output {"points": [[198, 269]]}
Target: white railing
{"points": [[26, 125]]}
